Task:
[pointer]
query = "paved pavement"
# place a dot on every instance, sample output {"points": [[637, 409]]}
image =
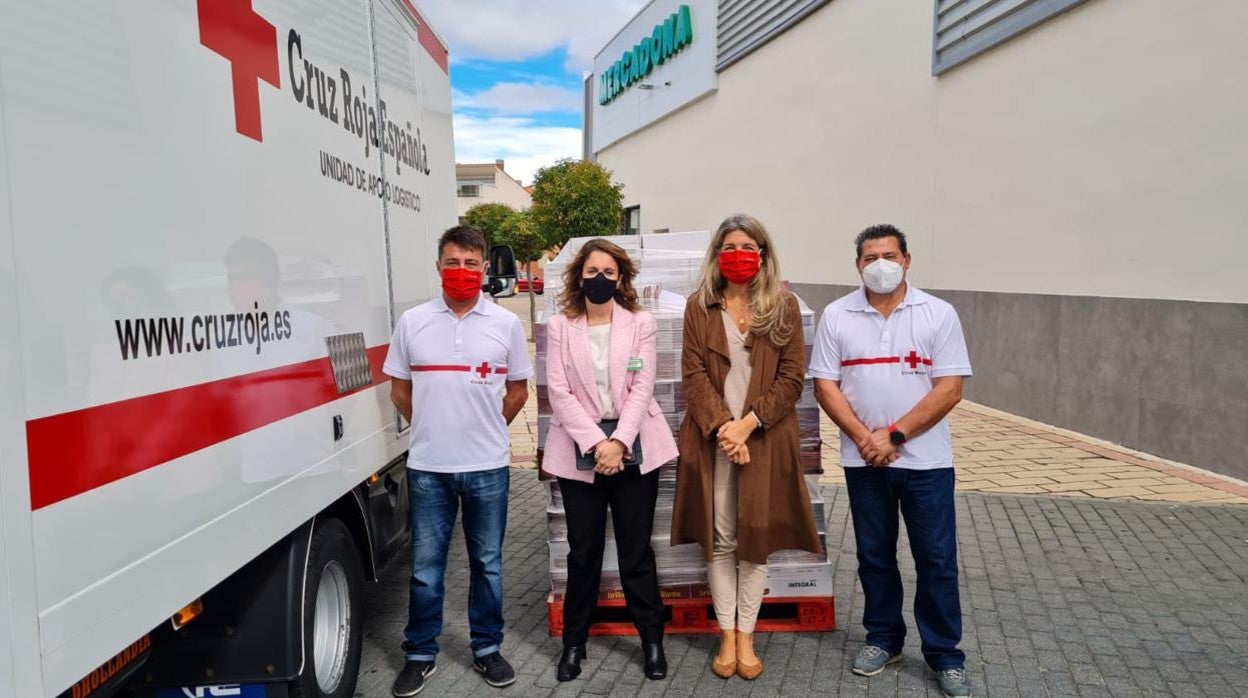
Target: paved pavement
{"points": [[1087, 569], [1062, 596], [999, 452]]}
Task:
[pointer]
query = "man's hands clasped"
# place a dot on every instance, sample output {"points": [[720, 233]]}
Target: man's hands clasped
{"points": [[877, 449]]}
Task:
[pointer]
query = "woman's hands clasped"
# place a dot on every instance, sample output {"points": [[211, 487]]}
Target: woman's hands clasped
{"points": [[732, 437], [609, 457]]}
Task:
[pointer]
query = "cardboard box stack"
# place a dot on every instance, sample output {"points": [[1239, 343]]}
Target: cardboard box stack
{"points": [[669, 267]]}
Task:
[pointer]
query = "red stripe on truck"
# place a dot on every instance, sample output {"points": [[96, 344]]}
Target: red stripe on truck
{"points": [[429, 40], [76, 452]]}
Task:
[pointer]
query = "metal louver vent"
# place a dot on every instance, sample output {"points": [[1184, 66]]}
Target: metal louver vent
{"points": [[966, 28], [746, 25]]}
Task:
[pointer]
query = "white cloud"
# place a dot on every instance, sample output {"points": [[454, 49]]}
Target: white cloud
{"points": [[512, 30], [519, 99], [524, 144]]}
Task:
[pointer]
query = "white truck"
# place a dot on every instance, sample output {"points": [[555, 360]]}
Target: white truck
{"points": [[211, 211]]}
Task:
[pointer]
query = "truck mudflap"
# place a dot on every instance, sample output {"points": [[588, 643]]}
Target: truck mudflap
{"points": [[386, 506], [244, 634]]}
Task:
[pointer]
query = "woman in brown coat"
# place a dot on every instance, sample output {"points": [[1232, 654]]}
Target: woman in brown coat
{"points": [[740, 491]]}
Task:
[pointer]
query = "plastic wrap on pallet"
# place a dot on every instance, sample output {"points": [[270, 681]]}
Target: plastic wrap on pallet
{"points": [[783, 581], [677, 563], [670, 394], [557, 522], [667, 492], [665, 279], [809, 447]]}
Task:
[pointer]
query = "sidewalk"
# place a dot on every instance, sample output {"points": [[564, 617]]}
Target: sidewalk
{"points": [[999, 452], [1061, 596], [1087, 569]]}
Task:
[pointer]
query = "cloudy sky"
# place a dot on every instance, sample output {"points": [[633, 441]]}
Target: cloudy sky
{"points": [[516, 72]]}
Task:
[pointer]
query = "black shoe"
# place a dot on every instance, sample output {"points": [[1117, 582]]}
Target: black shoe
{"points": [[656, 661], [411, 680], [570, 662], [495, 669]]}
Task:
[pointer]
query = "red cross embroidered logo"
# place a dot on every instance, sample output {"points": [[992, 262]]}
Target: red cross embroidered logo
{"points": [[913, 359], [233, 30], [483, 370]]}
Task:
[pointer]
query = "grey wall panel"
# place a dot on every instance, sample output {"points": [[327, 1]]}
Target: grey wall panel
{"points": [[746, 25], [587, 118], [963, 29], [1165, 377]]}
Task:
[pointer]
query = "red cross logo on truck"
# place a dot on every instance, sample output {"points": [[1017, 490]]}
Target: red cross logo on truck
{"points": [[234, 31]]}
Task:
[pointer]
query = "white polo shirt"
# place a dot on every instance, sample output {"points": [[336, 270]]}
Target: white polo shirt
{"points": [[458, 368], [885, 366]]}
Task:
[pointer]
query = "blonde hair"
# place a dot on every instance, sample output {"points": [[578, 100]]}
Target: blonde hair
{"points": [[768, 301]]}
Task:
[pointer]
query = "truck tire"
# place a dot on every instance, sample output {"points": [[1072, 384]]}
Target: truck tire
{"points": [[333, 621]]}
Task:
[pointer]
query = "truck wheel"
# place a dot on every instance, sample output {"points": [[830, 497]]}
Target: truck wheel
{"points": [[333, 621]]}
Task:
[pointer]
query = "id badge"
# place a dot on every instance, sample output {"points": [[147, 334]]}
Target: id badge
{"points": [[634, 364]]}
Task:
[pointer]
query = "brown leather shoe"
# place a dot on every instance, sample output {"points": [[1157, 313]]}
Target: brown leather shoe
{"points": [[749, 672], [726, 669]]}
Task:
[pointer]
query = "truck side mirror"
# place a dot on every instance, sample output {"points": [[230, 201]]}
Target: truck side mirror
{"points": [[502, 268]]}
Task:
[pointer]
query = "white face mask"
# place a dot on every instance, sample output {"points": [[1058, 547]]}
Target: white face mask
{"points": [[883, 275]]}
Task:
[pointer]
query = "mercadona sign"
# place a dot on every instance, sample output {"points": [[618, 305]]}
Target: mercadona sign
{"points": [[667, 39]]}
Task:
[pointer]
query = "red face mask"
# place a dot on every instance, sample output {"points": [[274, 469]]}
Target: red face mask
{"points": [[739, 266], [461, 284]]}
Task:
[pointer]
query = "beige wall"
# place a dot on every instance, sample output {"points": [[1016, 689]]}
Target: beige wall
{"points": [[1104, 153], [505, 190]]}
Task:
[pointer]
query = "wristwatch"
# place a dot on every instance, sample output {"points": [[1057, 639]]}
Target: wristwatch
{"points": [[896, 437]]}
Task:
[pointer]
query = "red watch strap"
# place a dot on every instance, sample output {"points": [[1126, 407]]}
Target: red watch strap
{"points": [[892, 428]]}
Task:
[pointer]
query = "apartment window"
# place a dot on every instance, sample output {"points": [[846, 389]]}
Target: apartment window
{"points": [[469, 190], [966, 28]]}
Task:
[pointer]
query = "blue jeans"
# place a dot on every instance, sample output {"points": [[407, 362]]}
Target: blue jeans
{"points": [[925, 499], [435, 498]]}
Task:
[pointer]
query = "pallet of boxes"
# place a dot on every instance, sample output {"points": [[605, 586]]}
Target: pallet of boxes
{"points": [[799, 584]]}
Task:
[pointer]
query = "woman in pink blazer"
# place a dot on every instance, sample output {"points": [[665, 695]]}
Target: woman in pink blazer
{"points": [[607, 440]]}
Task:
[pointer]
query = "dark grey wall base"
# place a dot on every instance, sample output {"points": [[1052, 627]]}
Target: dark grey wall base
{"points": [[1166, 377]]}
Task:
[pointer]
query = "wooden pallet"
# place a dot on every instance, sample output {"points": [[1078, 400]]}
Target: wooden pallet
{"points": [[697, 616]]}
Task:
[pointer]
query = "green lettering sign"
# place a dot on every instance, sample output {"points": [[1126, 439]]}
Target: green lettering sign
{"points": [[667, 39]]}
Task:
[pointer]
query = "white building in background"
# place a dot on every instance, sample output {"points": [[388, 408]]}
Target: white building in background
{"points": [[488, 183], [1071, 175]]}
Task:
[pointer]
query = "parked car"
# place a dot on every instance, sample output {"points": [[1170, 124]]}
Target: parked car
{"points": [[522, 284]]}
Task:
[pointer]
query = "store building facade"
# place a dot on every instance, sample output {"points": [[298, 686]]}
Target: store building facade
{"points": [[1072, 175]]}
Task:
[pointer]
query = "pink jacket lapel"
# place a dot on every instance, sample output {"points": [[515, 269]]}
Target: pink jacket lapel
{"points": [[578, 344]]}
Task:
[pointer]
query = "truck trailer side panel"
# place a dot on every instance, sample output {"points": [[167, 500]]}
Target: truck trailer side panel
{"points": [[19, 654], [201, 194]]}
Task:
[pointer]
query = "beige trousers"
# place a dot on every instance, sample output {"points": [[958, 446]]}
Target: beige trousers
{"points": [[736, 586]]}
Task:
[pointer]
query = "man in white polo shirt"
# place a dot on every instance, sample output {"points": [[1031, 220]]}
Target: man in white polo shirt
{"points": [[888, 364], [460, 368]]}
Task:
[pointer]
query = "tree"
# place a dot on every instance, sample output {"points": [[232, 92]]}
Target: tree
{"points": [[519, 231], [575, 198], [488, 218]]}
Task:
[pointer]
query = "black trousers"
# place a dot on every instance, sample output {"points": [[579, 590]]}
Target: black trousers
{"points": [[631, 497]]}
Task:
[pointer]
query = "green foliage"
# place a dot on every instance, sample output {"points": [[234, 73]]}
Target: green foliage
{"points": [[518, 231], [488, 218], [575, 198]]}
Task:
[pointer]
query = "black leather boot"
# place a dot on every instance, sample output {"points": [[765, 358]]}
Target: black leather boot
{"points": [[570, 662], [656, 661]]}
